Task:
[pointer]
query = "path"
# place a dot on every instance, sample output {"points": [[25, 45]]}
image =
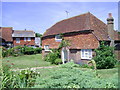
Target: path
{"points": [[34, 68]]}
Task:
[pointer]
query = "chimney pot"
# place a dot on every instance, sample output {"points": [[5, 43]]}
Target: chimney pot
{"points": [[110, 15]]}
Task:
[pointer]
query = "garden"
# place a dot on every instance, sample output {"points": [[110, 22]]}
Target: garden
{"points": [[103, 73]]}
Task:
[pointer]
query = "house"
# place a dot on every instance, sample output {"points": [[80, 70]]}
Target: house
{"points": [[37, 41], [6, 36], [12, 38], [23, 38], [85, 32]]}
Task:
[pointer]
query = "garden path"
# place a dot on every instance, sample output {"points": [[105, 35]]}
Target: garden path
{"points": [[34, 68]]}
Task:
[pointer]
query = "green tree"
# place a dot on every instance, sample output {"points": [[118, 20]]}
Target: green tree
{"points": [[38, 35], [105, 57]]}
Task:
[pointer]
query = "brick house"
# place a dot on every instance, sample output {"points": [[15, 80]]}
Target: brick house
{"points": [[85, 32], [12, 38], [23, 38], [6, 36]]}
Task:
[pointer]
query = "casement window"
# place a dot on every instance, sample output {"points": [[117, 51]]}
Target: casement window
{"points": [[25, 39], [17, 40], [46, 47], [58, 38], [86, 53], [29, 39]]}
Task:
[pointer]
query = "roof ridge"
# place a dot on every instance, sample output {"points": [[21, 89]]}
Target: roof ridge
{"points": [[24, 30]]}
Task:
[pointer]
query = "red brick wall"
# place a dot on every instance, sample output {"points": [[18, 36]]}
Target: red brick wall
{"points": [[22, 42], [51, 42], [77, 41]]}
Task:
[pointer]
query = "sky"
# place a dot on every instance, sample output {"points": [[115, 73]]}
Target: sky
{"points": [[39, 16]]}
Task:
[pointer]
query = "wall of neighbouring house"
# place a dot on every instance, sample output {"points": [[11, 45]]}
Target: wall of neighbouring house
{"points": [[22, 42], [75, 54]]}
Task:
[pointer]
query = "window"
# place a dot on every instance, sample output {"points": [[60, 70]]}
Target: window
{"points": [[58, 38], [29, 39], [86, 54], [46, 47], [17, 40], [25, 38]]}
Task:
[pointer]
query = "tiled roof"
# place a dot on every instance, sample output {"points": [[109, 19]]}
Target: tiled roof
{"points": [[6, 33], [82, 22], [83, 41], [23, 33]]}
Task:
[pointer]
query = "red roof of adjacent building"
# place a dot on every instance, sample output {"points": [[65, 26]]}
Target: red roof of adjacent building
{"points": [[6, 33]]}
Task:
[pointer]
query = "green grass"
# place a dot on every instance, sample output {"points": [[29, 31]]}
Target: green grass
{"points": [[102, 73], [26, 61], [107, 73]]}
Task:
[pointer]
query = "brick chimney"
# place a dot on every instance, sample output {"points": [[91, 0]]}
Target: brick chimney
{"points": [[110, 27]]}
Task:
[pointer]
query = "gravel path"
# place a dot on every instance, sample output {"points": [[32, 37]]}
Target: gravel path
{"points": [[34, 68]]}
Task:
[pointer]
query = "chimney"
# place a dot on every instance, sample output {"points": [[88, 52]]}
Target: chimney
{"points": [[110, 27]]}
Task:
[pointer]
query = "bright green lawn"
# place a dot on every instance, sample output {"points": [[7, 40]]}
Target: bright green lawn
{"points": [[26, 61]]}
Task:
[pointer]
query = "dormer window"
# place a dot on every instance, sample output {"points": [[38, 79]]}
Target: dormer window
{"points": [[58, 38]]}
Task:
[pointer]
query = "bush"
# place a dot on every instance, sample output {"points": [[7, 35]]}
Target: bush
{"points": [[18, 79], [51, 57], [18, 51], [58, 61], [105, 57], [28, 50], [37, 50]]}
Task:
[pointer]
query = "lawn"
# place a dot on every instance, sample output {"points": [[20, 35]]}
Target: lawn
{"points": [[26, 61]]}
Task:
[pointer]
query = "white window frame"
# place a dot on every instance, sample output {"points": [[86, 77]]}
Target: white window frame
{"points": [[58, 39], [25, 39], [46, 48], [29, 39], [86, 53], [17, 40]]}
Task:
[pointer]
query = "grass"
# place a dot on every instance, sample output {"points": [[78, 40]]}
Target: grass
{"points": [[107, 73], [103, 73], [26, 61]]}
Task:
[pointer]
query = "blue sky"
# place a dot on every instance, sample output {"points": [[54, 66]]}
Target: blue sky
{"points": [[39, 16]]}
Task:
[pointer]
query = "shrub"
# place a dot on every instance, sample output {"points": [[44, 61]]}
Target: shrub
{"points": [[37, 50], [51, 57], [28, 50], [18, 79], [58, 61], [105, 57]]}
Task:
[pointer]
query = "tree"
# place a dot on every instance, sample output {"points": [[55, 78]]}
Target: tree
{"points": [[38, 35], [105, 57]]}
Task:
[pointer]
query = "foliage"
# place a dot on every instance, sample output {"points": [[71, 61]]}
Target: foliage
{"points": [[38, 35], [93, 63], [51, 57], [58, 61], [118, 32], [105, 57], [68, 76], [18, 79], [64, 43], [28, 50], [18, 51], [37, 50]]}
